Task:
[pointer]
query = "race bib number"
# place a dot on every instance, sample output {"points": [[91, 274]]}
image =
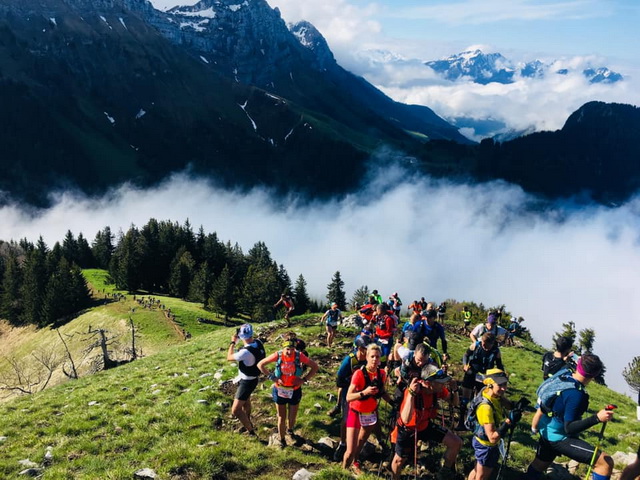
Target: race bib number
{"points": [[368, 419], [285, 392]]}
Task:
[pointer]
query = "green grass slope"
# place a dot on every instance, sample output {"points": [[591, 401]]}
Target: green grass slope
{"points": [[166, 412]]}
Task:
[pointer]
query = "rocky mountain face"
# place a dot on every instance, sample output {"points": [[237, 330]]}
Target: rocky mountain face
{"points": [[116, 90]]}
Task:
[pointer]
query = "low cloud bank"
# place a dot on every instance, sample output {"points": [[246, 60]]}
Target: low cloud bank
{"points": [[421, 238], [528, 104]]}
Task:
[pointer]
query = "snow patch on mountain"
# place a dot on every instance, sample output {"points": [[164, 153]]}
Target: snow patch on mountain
{"points": [[165, 5], [302, 35], [235, 8], [197, 26], [206, 13]]}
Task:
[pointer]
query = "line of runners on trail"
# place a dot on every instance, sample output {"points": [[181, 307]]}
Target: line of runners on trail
{"points": [[410, 374]]}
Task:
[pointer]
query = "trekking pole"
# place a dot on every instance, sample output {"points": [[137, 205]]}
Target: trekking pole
{"points": [[506, 455], [415, 451], [600, 437]]}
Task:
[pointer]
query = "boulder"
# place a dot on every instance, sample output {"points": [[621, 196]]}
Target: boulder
{"points": [[144, 474], [303, 474]]}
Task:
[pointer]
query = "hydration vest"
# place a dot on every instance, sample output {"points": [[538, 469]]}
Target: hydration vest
{"points": [[257, 350]]}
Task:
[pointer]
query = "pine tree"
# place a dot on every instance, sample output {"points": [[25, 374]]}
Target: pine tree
{"points": [[631, 375], [200, 286], [336, 291], [182, 271], [34, 283], [259, 256], [237, 263], [79, 293], [300, 296], [569, 330], [56, 301], [586, 338], [70, 248], [102, 248], [126, 262], [259, 289], [85, 256], [223, 297], [11, 301], [284, 280], [361, 295]]}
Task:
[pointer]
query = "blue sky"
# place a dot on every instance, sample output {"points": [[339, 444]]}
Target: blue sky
{"points": [[575, 27]]}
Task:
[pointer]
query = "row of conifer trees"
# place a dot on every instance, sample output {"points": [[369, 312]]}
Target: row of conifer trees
{"points": [[43, 285]]}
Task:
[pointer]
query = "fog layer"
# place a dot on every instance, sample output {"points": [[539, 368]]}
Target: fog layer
{"points": [[419, 237]]}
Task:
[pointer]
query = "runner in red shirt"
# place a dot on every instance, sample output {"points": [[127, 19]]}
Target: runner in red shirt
{"points": [[365, 390]]}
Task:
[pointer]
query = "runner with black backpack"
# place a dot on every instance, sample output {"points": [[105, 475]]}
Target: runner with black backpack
{"points": [[552, 362], [352, 362], [480, 357], [365, 390], [247, 357]]}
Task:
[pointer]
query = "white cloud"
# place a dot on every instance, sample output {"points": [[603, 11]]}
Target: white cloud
{"points": [[528, 103], [341, 23], [469, 242]]}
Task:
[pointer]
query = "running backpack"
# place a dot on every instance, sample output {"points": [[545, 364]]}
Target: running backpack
{"points": [[471, 419], [376, 383], [257, 349], [549, 390], [299, 367]]}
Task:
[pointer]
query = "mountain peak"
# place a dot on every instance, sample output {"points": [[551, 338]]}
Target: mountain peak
{"points": [[484, 68], [310, 38], [475, 64]]}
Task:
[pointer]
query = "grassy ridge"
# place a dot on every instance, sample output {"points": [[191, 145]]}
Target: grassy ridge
{"points": [[165, 411]]}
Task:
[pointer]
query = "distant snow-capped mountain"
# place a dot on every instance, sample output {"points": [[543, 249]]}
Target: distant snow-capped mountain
{"points": [[482, 68], [485, 68]]}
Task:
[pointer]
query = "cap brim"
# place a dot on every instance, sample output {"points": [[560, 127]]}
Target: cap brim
{"points": [[446, 379]]}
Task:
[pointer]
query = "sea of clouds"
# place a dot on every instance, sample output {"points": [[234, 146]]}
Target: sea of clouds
{"points": [[488, 243]]}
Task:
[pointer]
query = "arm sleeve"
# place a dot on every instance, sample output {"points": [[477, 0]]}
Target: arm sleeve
{"points": [[573, 428], [575, 405]]}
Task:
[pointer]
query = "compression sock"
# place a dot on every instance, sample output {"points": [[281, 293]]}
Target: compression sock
{"points": [[597, 476]]}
